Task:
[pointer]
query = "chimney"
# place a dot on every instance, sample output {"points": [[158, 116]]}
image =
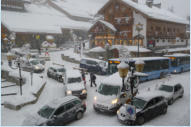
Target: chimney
{"points": [[157, 5], [136, 1], [149, 3]]}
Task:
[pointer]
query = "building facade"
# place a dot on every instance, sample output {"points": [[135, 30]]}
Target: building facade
{"points": [[160, 28]]}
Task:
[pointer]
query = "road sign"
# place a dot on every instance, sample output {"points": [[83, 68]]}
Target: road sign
{"points": [[131, 112]]}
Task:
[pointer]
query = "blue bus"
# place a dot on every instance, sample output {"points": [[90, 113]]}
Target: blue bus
{"points": [[155, 67], [179, 62]]}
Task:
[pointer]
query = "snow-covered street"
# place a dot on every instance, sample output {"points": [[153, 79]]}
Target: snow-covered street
{"points": [[178, 114]]}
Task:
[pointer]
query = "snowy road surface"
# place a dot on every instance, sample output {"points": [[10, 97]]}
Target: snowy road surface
{"points": [[178, 114]]}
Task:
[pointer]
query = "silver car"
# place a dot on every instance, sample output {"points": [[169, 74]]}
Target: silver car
{"points": [[171, 91], [58, 112]]}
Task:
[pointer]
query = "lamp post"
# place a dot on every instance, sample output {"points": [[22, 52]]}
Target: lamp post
{"points": [[123, 70], [139, 27], [18, 63], [89, 36], [80, 41], [107, 50]]}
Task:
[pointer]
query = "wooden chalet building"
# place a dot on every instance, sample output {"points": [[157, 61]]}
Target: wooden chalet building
{"points": [[161, 28]]}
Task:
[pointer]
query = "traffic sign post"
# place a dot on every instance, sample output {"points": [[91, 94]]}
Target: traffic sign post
{"points": [[131, 112]]}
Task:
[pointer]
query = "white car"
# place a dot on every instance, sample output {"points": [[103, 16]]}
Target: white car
{"points": [[34, 65], [171, 91], [74, 84]]}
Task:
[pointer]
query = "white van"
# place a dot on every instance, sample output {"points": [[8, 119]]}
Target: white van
{"points": [[109, 96]]}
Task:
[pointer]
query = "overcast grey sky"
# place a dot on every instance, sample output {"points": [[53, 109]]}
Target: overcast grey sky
{"points": [[181, 7]]}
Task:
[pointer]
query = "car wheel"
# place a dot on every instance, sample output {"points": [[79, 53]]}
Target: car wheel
{"points": [[164, 111], [170, 101], [79, 115], [48, 75], [60, 79], [181, 95], [140, 120], [161, 75]]}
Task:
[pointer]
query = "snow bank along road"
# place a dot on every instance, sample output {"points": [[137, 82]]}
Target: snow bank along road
{"points": [[177, 114]]}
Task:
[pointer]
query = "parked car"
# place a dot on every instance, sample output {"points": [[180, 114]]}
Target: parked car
{"points": [[109, 96], [94, 65], [171, 91], [74, 84], [35, 65], [147, 106], [56, 72], [58, 112]]}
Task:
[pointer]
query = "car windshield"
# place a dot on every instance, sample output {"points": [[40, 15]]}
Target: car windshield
{"points": [[34, 62], [91, 62], [46, 111], [166, 88], [139, 103], [74, 80], [108, 89], [61, 70]]}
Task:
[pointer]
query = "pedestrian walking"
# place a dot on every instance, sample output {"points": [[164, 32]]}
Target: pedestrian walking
{"points": [[46, 52], [93, 79], [83, 76]]}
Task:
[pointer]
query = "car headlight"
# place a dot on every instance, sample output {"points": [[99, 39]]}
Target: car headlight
{"points": [[36, 67], [175, 71], [114, 101], [117, 111], [69, 92], [95, 98], [84, 91]]}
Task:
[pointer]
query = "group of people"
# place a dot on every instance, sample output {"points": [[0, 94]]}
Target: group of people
{"points": [[92, 79]]}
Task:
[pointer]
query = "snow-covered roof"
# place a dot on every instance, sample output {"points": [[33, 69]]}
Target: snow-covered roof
{"points": [[97, 49], [40, 19], [141, 58], [174, 49], [130, 48], [177, 55], [57, 102], [156, 13], [108, 25], [81, 8]]}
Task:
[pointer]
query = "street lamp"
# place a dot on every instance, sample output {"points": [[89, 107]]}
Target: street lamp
{"points": [[107, 50], [133, 80], [123, 70], [139, 27], [80, 41], [89, 36], [18, 63]]}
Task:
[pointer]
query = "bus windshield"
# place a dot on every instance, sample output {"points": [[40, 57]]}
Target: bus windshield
{"points": [[108, 89]]}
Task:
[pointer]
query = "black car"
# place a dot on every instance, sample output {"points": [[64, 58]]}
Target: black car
{"points": [[56, 72], [147, 107], [58, 112]]}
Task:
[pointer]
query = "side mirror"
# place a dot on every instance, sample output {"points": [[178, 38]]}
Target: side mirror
{"points": [[96, 90]]}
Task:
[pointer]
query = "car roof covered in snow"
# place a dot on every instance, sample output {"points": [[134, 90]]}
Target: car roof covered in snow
{"points": [[93, 59], [169, 83], [114, 80], [147, 95], [73, 73], [59, 101]]}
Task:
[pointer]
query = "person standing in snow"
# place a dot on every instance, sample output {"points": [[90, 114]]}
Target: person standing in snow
{"points": [[92, 79]]}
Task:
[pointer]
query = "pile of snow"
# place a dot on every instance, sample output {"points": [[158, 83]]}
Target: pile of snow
{"points": [[97, 49]]}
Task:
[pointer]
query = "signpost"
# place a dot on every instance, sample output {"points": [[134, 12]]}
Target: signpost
{"points": [[131, 112]]}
